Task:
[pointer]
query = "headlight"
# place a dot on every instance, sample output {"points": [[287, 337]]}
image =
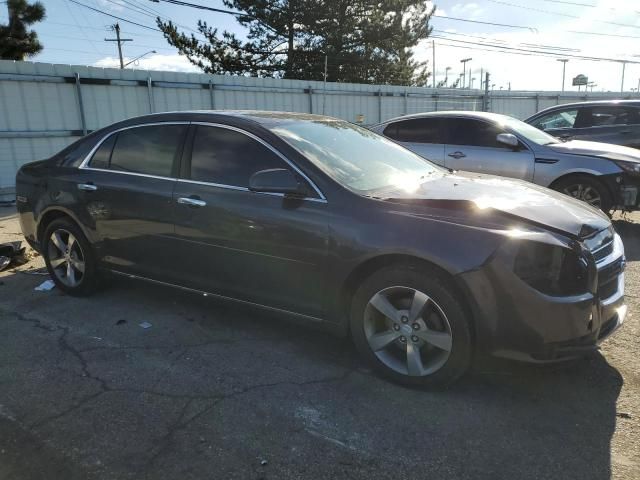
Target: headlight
{"points": [[551, 269], [629, 167]]}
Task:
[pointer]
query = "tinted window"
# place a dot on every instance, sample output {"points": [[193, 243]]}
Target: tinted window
{"points": [[609, 115], [102, 156], [419, 130], [150, 150], [562, 119], [228, 157], [464, 131]]}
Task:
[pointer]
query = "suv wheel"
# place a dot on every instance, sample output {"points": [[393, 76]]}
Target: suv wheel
{"points": [[411, 328], [69, 259]]}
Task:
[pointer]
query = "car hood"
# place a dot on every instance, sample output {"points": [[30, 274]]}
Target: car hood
{"points": [[597, 149], [514, 201]]}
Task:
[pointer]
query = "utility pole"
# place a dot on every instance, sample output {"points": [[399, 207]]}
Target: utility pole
{"points": [[485, 98], [624, 66], [120, 41], [324, 89], [433, 44], [464, 70], [564, 66], [446, 77]]}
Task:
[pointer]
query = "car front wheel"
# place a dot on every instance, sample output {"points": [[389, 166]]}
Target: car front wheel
{"points": [[411, 328], [588, 189]]}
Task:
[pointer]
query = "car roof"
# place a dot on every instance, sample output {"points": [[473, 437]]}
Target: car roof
{"points": [[590, 103], [496, 117]]}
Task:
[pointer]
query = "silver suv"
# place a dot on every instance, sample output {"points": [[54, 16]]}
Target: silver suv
{"points": [[603, 175], [608, 121]]}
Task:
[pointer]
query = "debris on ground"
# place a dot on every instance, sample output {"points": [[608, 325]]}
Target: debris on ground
{"points": [[263, 463], [122, 321], [45, 286], [146, 325], [623, 415], [11, 253]]}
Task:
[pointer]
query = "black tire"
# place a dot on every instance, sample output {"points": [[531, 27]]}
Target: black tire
{"points": [[87, 281], [572, 183], [439, 289]]}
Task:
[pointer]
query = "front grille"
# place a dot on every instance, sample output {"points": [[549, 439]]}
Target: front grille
{"points": [[603, 251], [608, 279]]}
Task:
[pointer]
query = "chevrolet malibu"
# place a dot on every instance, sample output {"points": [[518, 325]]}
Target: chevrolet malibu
{"points": [[323, 221]]}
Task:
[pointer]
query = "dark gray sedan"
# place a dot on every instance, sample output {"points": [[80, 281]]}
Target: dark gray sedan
{"points": [[606, 121], [326, 222]]}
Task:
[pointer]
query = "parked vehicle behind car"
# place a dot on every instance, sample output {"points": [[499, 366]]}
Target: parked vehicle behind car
{"points": [[604, 176], [327, 222], [607, 121]]}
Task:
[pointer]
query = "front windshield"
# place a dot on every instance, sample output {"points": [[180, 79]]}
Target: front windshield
{"points": [[529, 132], [355, 157]]}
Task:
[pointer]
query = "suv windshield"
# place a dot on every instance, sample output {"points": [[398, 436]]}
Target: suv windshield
{"points": [[527, 131], [355, 157]]}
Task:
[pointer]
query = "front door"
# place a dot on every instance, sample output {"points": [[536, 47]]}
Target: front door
{"points": [[260, 248], [472, 146]]}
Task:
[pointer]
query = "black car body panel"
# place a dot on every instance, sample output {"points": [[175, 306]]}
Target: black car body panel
{"points": [[305, 256]]}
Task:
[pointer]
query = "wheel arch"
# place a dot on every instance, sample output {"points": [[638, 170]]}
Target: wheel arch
{"points": [[369, 266], [53, 213]]}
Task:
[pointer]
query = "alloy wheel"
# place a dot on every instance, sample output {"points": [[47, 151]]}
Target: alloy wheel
{"points": [[408, 331], [66, 257], [586, 193]]}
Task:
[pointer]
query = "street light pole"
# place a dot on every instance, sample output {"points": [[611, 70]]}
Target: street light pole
{"points": [[446, 77], [624, 66], [564, 66], [138, 58], [464, 70]]}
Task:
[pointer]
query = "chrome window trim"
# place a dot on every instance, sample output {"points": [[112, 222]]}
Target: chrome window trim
{"points": [[270, 147], [84, 165]]}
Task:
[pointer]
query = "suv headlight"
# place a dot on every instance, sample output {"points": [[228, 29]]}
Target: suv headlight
{"points": [[629, 167], [552, 269]]}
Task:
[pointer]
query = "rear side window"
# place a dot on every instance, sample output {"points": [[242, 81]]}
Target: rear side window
{"points": [[228, 157], [417, 130], [465, 131], [561, 119], [603, 116], [150, 150]]}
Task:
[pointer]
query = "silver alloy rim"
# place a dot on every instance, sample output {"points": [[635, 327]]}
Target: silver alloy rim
{"points": [[585, 193], [408, 331], [66, 257]]}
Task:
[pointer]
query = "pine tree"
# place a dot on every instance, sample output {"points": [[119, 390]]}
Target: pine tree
{"points": [[16, 42], [365, 41]]}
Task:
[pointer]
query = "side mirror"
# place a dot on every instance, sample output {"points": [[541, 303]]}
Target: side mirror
{"points": [[277, 180], [508, 139]]}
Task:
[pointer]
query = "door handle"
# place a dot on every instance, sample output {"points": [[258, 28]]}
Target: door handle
{"points": [[193, 202], [87, 187], [457, 155]]}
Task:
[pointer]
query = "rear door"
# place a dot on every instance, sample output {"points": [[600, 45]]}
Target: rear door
{"points": [[618, 124], [261, 248], [126, 189], [472, 146], [420, 135]]}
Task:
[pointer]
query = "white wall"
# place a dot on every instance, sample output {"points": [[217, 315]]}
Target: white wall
{"points": [[40, 109]]}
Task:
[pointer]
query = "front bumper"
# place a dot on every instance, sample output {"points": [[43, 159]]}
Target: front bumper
{"points": [[515, 321]]}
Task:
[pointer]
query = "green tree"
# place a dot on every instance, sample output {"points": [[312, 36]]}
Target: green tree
{"points": [[16, 42], [368, 41]]}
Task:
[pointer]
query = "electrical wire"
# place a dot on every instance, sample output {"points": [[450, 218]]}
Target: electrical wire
{"points": [[115, 16]]}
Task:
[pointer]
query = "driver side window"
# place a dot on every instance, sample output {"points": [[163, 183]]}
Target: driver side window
{"points": [[476, 133], [559, 119]]}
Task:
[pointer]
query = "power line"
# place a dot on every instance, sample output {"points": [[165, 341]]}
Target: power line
{"points": [[532, 29], [501, 2], [603, 34], [533, 52], [497, 40], [203, 7], [115, 16]]}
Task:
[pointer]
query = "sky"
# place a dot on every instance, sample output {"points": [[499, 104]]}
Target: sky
{"points": [[534, 34]]}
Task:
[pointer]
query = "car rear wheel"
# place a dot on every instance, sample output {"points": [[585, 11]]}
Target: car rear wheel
{"points": [[411, 327], [69, 259], [588, 189]]}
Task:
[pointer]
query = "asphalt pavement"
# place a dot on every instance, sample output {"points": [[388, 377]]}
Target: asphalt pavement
{"points": [[212, 390]]}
